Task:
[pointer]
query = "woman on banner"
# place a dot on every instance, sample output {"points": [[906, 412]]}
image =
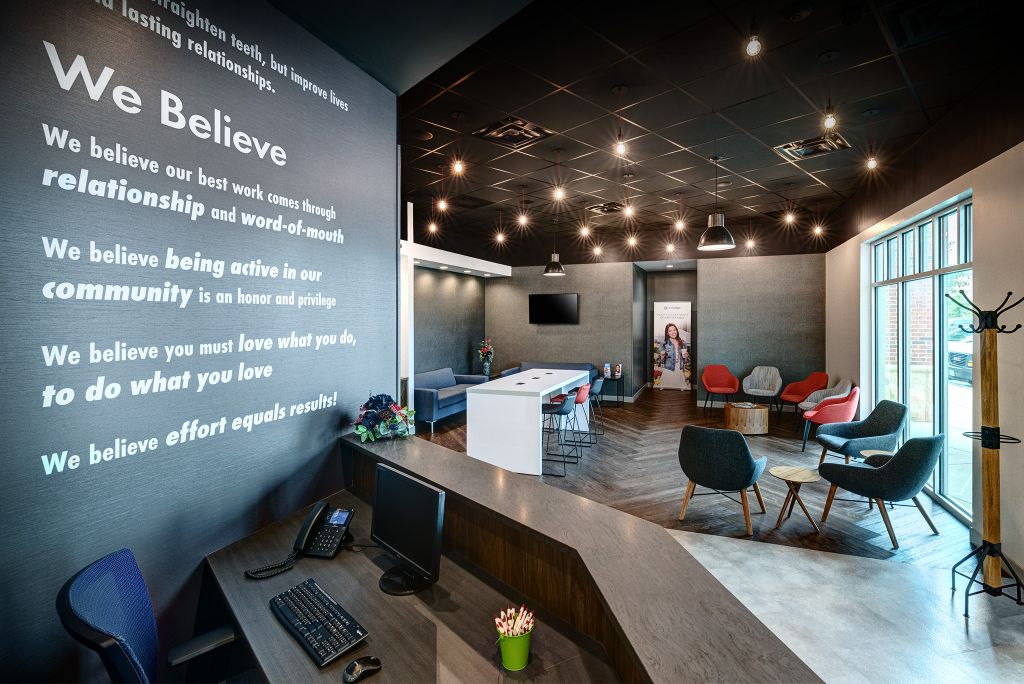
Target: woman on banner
{"points": [[675, 359]]}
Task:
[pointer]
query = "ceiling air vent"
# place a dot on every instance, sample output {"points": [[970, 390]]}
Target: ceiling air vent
{"points": [[512, 133], [812, 147], [606, 208]]}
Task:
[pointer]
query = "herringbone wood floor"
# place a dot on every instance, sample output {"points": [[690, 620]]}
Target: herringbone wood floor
{"points": [[635, 468]]}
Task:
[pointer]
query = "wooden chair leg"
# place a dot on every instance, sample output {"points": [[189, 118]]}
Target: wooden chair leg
{"points": [[690, 486], [847, 460], [746, 511], [828, 502], [760, 501], [888, 525], [824, 453], [927, 517]]}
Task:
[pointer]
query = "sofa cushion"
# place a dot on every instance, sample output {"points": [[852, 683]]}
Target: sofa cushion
{"points": [[451, 395], [435, 379]]}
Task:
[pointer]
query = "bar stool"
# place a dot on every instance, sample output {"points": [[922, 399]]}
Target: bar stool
{"points": [[582, 396], [559, 416], [596, 410]]}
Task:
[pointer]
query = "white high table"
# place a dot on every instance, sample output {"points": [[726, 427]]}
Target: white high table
{"points": [[504, 424]]}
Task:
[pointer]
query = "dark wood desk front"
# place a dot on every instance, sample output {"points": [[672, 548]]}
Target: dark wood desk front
{"points": [[444, 634]]}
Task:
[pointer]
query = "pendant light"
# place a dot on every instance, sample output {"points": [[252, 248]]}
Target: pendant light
{"points": [[554, 267], [717, 237]]}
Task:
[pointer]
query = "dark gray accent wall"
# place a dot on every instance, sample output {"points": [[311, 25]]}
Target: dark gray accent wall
{"points": [[639, 328], [606, 311], [221, 462], [448, 320], [756, 311], [676, 286]]}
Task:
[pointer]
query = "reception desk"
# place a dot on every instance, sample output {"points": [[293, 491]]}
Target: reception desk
{"points": [[503, 418], [624, 582]]}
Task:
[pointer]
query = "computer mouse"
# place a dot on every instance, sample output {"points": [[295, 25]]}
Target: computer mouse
{"points": [[361, 668]]}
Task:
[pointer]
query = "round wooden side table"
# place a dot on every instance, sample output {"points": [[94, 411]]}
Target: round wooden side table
{"points": [[749, 420], [794, 477]]}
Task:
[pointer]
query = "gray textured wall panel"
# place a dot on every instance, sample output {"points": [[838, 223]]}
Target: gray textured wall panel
{"points": [[175, 504], [449, 313], [604, 333], [639, 326], [762, 311]]}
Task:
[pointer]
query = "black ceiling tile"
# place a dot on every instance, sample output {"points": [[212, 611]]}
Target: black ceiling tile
{"points": [[624, 83], [642, 200], [755, 160], [641, 23], [417, 96], [413, 130], [474, 151], [592, 185], [491, 194], [459, 113], [734, 84], [799, 128], [560, 112], [664, 110], [458, 203], [653, 182], [849, 87], [828, 161], [673, 161], [700, 130], [776, 177], [698, 172], [603, 133], [737, 145], [502, 86], [598, 163], [707, 46], [778, 24], [559, 148], [829, 52], [482, 175], [773, 107], [648, 147], [519, 163]]}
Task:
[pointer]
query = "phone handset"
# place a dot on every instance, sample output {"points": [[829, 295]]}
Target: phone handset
{"points": [[308, 529]]}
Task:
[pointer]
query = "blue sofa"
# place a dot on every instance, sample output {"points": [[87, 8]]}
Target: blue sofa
{"points": [[530, 365], [441, 393]]}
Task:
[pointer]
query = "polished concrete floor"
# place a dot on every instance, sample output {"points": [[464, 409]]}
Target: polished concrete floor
{"points": [[866, 620]]}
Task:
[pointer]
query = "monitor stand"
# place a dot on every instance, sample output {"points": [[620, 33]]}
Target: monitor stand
{"points": [[401, 581]]}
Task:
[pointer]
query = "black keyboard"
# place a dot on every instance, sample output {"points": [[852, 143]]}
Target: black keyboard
{"points": [[317, 622]]}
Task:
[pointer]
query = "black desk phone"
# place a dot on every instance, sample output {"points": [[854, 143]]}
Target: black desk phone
{"points": [[322, 533]]}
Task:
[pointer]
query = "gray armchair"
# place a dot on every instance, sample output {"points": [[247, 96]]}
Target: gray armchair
{"points": [[841, 389], [763, 381], [887, 478], [880, 430], [719, 460]]}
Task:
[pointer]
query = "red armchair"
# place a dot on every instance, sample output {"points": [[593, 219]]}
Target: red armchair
{"points": [[831, 410], [717, 379], [795, 392]]}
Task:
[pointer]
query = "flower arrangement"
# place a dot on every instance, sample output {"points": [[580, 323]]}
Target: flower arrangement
{"points": [[514, 622], [486, 350], [381, 416]]}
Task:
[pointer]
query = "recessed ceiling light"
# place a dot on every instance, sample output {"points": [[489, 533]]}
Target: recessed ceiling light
{"points": [[790, 217], [458, 116], [818, 230], [467, 271], [522, 220], [597, 251], [680, 225], [584, 231], [874, 111], [559, 194], [443, 268], [628, 210], [432, 227], [872, 164], [487, 275], [420, 134], [750, 244], [669, 265], [828, 56], [631, 241], [724, 183], [670, 247], [442, 205], [499, 237], [753, 47], [458, 167], [620, 148]]}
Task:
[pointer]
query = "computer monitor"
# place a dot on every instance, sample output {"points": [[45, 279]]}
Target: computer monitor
{"points": [[408, 516]]}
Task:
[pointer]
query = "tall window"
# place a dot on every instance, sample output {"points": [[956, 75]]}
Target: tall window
{"points": [[921, 357]]}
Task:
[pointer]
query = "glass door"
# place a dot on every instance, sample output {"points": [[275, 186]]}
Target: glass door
{"points": [[955, 468]]}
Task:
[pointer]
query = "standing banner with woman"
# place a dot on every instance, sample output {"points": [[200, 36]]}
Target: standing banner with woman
{"points": [[672, 365]]}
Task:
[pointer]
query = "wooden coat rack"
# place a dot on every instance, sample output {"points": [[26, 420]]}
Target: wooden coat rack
{"points": [[990, 559]]}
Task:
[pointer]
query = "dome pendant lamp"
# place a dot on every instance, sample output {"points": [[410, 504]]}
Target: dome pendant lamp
{"points": [[554, 267], [717, 237]]}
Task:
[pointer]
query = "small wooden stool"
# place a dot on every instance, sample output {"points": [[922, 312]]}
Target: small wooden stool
{"points": [[748, 420], [794, 477]]}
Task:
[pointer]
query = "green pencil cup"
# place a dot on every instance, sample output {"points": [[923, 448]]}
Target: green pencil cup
{"points": [[515, 651]]}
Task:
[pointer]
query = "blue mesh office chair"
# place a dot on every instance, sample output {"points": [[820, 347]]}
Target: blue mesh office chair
{"points": [[106, 606]]}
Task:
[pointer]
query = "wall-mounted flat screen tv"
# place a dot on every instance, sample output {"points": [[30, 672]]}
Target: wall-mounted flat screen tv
{"points": [[548, 309]]}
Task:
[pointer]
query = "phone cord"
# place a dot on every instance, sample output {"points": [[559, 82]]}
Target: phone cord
{"points": [[273, 569]]}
